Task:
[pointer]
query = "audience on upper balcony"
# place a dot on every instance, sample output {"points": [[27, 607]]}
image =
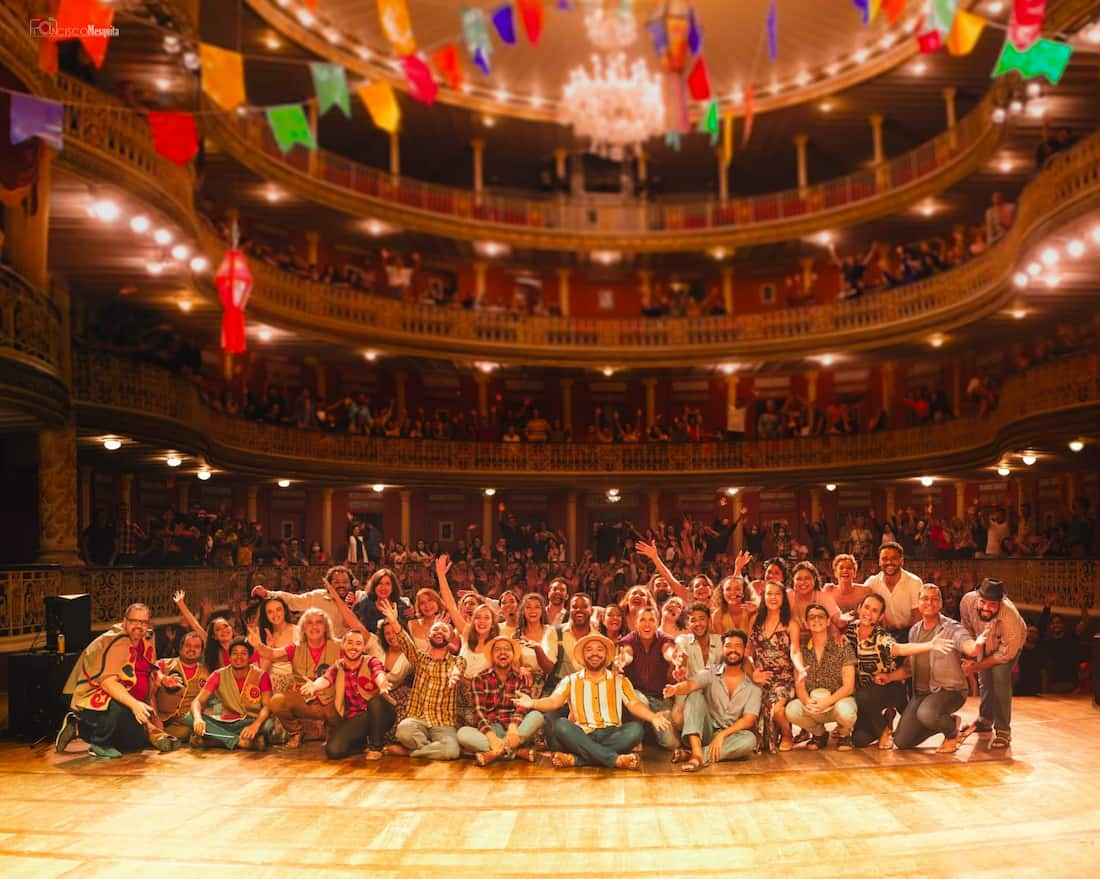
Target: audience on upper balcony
{"points": [[1050, 146]]}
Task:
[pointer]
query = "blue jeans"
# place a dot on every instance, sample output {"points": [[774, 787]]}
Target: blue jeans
{"points": [[431, 742], [996, 687], [470, 739], [601, 747], [697, 722], [669, 739], [928, 714], [227, 733]]}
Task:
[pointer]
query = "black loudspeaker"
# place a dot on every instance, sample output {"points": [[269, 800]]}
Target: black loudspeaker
{"points": [[70, 615], [35, 702]]}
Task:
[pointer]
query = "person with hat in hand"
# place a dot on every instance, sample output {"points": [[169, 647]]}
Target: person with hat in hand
{"points": [[594, 733], [503, 727], [993, 620]]}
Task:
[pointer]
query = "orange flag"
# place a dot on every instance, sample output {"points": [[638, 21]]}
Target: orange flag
{"points": [[93, 20], [893, 9], [222, 76], [381, 103], [965, 33], [446, 63]]}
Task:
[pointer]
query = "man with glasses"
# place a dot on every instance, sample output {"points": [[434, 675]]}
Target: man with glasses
{"points": [[825, 694], [111, 685]]}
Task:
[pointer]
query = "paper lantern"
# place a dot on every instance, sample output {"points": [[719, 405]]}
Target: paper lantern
{"points": [[234, 281]]}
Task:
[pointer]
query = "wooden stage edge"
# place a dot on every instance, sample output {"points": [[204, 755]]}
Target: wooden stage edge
{"points": [[1032, 811]]}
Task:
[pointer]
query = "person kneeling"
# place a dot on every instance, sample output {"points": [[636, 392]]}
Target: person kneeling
{"points": [[503, 727], [244, 696], [825, 693], [360, 686], [721, 708], [594, 733]]}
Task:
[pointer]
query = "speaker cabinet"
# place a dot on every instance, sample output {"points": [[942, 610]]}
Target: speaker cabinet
{"points": [[71, 615], [35, 702]]}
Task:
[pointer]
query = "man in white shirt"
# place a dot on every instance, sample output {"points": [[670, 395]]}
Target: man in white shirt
{"points": [[899, 588], [998, 529], [341, 579], [735, 420]]}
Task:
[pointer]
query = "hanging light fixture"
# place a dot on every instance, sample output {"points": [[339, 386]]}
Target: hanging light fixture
{"points": [[615, 107]]}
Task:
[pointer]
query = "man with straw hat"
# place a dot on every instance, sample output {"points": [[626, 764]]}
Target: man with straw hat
{"points": [[594, 733], [503, 728]]}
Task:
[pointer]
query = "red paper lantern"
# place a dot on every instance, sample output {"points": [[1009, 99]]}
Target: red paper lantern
{"points": [[234, 282]]}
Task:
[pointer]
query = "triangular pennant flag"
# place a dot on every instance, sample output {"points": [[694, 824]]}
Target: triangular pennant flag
{"points": [[864, 7], [965, 33], [475, 33], [419, 79], [504, 21], [749, 96], [658, 33], [876, 8], [711, 123], [773, 32], [174, 136], [699, 80], [565, 6], [695, 34], [941, 16], [1044, 58], [393, 15], [290, 126], [1026, 22], [92, 20], [531, 13], [481, 60], [222, 76], [381, 103], [448, 66], [893, 9], [330, 84], [47, 56], [930, 41], [36, 117]]}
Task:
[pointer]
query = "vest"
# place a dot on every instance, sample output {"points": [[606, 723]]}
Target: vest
{"points": [[364, 683], [173, 706], [305, 669], [245, 702], [111, 654]]}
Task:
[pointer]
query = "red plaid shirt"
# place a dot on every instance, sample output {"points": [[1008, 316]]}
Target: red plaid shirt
{"points": [[354, 703], [495, 700]]}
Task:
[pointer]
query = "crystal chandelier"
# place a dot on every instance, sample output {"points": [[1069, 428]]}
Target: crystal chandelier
{"points": [[614, 108], [611, 29]]}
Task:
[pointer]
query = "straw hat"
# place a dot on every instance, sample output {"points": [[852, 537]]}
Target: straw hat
{"points": [[487, 650], [578, 648]]}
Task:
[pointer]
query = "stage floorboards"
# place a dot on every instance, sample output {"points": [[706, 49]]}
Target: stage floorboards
{"points": [[1034, 811]]}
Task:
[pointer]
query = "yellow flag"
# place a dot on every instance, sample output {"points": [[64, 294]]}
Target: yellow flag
{"points": [[393, 15], [381, 103], [875, 9], [965, 33], [222, 76]]}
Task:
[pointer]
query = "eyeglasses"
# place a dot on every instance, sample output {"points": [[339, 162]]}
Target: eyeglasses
{"points": [[133, 622], [816, 616]]}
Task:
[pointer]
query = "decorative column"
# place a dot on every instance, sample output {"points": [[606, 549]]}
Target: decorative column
{"points": [[960, 498], [406, 516], [57, 486], [654, 508], [86, 496], [887, 387], [956, 388], [326, 522], [564, 273], [482, 380], [400, 378], [727, 289], [731, 390], [486, 520], [561, 170], [882, 179], [800, 141], [567, 403], [313, 240], [891, 501], [251, 508], [478, 145], [395, 154], [811, 387], [643, 167], [481, 268], [571, 525], [949, 94], [26, 229], [815, 504], [183, 495], [645, 286], [650, 400], [807, 263], [723, 176]]}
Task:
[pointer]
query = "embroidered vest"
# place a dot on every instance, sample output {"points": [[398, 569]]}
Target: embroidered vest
{"points": [[305, 669], [111, 654], [174, 705], [245, 702]]}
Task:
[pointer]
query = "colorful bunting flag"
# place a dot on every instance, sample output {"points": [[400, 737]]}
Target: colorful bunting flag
{"points": [[482, 61], [941, 16], [381, 103], [93, 20], [965, 33], [504, 21], [749, 96], [36, 117], [1026, 22], [1044, 58], [419, 79], [711, 123], [699, 80], [174, 136], [876, 8], [447, 64], [893, 9], [47, 56], [532, 14], [475, 33], [773, 32], [330, 84], [930, 41], [695, 34], [222, 76], [658, 33], [290, 126], [864, 7], [393, 15], [676, 52]]}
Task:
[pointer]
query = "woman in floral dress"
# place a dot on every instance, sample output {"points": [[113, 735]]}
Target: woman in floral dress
{"points": [[773, 633]]}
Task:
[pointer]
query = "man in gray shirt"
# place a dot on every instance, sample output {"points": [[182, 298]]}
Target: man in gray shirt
{"points": [[721, 708]]}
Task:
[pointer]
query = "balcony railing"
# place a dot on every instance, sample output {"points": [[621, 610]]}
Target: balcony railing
{"points": [[938, 303], [30, 324], [112, 391], [664, 224]]}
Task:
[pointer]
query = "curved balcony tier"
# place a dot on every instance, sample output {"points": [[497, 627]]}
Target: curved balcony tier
{"points": [[1061, 193], [33, 390], [153, 405], [569, 224]]}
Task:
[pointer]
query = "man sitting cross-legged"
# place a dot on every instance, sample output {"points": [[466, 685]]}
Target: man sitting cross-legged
{"points": [[503, 728], [243, 695], [174, 702], [594, 732], [721, 708]]}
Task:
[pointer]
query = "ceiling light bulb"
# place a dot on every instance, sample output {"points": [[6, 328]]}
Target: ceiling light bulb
{"points": [[1019, 314], [1049, 257], [826, 359], [154, 267], [162, 83], [995, 7], [370, 356], [612, 491], [1052, 281], [265, 334], [173, 460], [185, 305], [171, 43], [112, 444], [332, 35], [1028, 459], [272, 194], [936, 341], [1003, 471], [1036, 109], [140, 224], [861, 55], [926, 481], [180, 252], [728, 368], [1092, 35], [1076, 248], [106, 210], [1020, 279], [1005, 166], [305, 17], [378, 488], [1033, 89], [999, 115], [927, 209], [1076, 445], [489, 492], [732, 490], [192, 61], [1096, 234], [830, 70], [920, 68], [1034, 269], [163, 237], [284, 483], [607, 371], [199, 263], [204, 474], [830, 486], [1015, 106]]}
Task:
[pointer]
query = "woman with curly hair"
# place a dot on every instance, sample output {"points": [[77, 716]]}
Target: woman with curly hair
{"points": [[773, 635]]}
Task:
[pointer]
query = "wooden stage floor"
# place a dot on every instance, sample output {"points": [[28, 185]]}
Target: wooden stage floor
{"points": [[1034, 811]]}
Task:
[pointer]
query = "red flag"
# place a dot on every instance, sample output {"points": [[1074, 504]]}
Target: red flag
{"points": [[174, 136], [930, 41], [893, 9], [1026, 23], [447, 64], [311, 4], [47, 56], [748, 115], [419, 79], [92, 18], [532, 12], [699, 80]]}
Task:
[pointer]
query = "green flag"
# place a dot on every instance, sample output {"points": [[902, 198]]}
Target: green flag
{"points": [[330, 84], [941, 16], [289, 125], [1044, 58], [711, 123]]}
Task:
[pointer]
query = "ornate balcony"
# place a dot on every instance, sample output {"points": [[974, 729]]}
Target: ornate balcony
{"points": [[153, 404], [575, 224], [1066, 189], [32, 366]]}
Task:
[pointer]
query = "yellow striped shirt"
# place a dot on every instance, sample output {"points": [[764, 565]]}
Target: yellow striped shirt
{"points": [[597, 704]]}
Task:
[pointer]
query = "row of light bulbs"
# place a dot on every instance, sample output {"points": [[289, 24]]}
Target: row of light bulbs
{"points": [[108, 211], [1045, 267], [1029, 102]]}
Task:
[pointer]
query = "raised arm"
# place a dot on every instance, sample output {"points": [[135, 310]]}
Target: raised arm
{"points": [[442, 566], [650, 551], [186, 615], [351, 621]]}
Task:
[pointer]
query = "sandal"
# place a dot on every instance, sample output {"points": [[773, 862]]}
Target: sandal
{"points": [[561, 760], [373, 755], [786, 744], [1000, 741], [681, 755], [693, 764]]}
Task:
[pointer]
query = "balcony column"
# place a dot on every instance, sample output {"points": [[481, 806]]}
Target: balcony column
{"points": [[807, 263], [486, 520], [86, 496], [956, 388], [26, 228], [480, 271], [643, 167], [251, 510], [406, 516], [400, 378], [811, 387], [654, 516], [561, 169], [395, 154], [960, 498], [650, 400], [891, 501], [564, 273], [478, 145], [567, 403], [723, 176], [882, 177], [727, 289], [949, 94], [183, 494], [126, 492], [313, 241], [800, 141], [645, 286], [571, 525], [57, 488], [815, 504], [887, 387], [326, 522], [482, 380], [314, 155], [1069, 488]]}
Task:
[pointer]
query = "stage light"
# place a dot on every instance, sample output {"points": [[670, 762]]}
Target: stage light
{"points": [[1003, 471], [204, 474], [163, 237], [112, 444], [927, 481], [284, 483], [173, 460], [378, 488]]}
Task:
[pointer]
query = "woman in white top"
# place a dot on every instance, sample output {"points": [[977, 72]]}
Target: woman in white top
{"points": [[399, 672], [845, 592], [509, 612], [276, 630], [539, 639], [427, 608]]}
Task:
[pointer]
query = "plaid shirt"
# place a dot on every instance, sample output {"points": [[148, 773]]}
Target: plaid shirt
{"points": [[354, 702], [127, 538], [495, 700], [433, 698]]}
